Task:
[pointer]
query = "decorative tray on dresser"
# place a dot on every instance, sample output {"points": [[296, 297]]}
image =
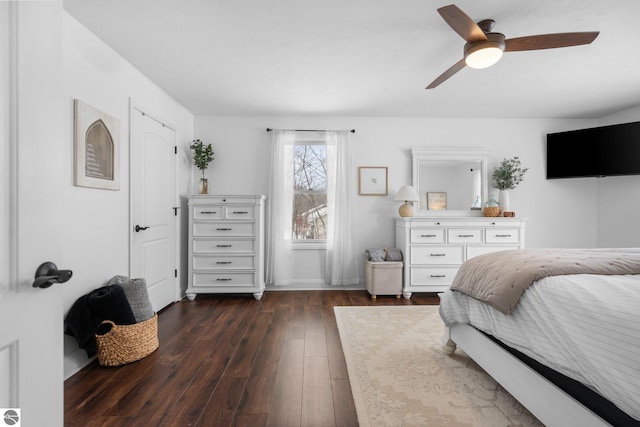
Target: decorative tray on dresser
{"points": [[226, 244], [434, 247]]}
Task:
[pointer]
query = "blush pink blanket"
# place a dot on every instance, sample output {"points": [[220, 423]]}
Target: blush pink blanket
{"points": [[500, 278]]}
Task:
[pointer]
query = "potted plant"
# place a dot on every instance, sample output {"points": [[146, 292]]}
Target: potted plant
{"points": [[507, 176], [202, 156]]}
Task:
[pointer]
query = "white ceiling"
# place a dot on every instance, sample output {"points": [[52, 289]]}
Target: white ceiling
{"points": [[371, 57]]}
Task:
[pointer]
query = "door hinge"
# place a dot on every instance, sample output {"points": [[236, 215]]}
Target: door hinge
{"points": [[175, 273], [175, 149], [175, 210]]}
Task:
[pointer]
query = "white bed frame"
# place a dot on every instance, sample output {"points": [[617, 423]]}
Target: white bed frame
{"points": [[551, 405]]}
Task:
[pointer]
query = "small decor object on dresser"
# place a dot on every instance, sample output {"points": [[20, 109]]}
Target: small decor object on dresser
{"points": [[202, 156], [406, 194], [491, 208], [507, 176]]}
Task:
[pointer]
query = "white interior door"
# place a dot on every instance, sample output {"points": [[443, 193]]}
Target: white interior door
{"points": [[153, 198], [31, 180]]}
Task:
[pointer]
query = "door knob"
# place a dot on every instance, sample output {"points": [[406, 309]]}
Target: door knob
{"points": [[47, 274], [138, 228]]}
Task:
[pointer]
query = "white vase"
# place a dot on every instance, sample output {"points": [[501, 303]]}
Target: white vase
{"points": [[503, 201]]}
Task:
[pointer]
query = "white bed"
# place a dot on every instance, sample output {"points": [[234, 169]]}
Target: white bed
{"points": [[585, 326]]}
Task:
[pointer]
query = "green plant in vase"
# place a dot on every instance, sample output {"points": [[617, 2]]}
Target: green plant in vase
{"points": [[202, 156], [507, 176]]}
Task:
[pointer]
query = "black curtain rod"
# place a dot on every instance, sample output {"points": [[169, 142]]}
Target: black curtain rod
{"points": [[310, 130]]}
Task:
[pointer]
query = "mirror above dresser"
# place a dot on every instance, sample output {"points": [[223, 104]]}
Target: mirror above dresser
{"points": [[450, 181]]}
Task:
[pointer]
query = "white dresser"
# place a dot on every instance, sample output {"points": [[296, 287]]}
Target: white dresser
{"points": [[226, 244], [434, 248]]}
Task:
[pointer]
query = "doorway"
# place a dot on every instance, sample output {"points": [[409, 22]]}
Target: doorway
{"points": [[154, 214]]}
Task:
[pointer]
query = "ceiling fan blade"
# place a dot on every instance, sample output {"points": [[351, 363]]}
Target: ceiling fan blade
{"points": [[462, 23], [549, 41], [450, 72]]}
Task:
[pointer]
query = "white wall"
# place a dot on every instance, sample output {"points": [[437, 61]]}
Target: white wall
{"points": [[97, 221], [561, 212], [619, 199]]}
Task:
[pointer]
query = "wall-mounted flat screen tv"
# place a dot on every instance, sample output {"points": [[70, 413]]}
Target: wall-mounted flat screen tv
{"points": [[601, 151]]}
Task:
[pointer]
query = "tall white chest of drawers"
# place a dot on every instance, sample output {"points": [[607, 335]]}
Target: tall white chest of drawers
{"points": [[434, 248], [226, 244]]}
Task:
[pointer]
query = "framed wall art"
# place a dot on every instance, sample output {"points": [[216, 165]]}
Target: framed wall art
{"points": [[437, 201], [372, 180], [97, 148]]}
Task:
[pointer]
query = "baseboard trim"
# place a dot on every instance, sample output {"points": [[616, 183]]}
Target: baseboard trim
{"points": [[75, 361], [314, 285]]}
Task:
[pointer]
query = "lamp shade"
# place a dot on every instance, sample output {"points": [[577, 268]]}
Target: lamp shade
{"points": [[407, 194]]}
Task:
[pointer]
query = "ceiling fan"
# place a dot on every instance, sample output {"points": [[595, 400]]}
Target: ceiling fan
{"points": [[484, 47]]}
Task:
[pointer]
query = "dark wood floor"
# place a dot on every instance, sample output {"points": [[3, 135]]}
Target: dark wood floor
{"points": [[229, 360]]}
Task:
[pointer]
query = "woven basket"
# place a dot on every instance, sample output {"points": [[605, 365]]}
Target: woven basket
{"points": [[491, 211], [127, 343]]}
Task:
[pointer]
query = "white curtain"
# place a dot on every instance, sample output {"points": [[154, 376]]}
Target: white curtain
{"points": [[342, 259], [280, 203]]}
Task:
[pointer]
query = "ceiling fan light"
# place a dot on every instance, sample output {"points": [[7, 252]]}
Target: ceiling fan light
{"points": [[483, 58], [484, 54]]}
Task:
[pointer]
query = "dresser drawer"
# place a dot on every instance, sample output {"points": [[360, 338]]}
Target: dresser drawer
{"points": [[432, 276], [212, 280], [437, 254], [223, 262], [227, 200], [497, 222], [502, 235], [223, 229], [239, 212], [217, 246], [464, 235], [208, 212], [427, 235]]}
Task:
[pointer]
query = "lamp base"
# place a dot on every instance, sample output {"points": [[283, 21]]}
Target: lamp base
{"points": [[406, 210]]}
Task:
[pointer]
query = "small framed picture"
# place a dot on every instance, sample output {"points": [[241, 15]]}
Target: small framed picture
{"points": [[437, 201], [372, 180]]}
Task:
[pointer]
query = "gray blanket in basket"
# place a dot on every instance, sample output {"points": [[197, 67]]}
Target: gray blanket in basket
{"points": [[138, 296]]}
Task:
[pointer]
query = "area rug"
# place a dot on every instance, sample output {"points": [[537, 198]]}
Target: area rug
{"points": [[400, 376]]}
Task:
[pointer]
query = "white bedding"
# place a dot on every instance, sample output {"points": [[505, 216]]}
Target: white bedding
{"points": [[584, 326]]}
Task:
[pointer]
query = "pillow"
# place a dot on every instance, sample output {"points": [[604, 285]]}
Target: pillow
{"points": [[393, 254], [138, 296], [376, 255]]}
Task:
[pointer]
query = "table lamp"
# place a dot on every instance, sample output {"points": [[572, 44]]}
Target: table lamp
{"points": [[407, 194]]}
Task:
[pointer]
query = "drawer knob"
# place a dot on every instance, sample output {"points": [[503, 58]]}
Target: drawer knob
{"points": [[208, 212], [223, 262], [223, 246], [437, 254], [427, 235], [240, 212], [465, 235], [220, 279], [438, 275], [223, 229], [503, 235]]}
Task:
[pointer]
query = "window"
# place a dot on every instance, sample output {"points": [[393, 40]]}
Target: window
{"points": [[310, 191]]}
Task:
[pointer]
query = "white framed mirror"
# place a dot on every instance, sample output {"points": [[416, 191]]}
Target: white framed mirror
{"points": [[450, 181]]}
